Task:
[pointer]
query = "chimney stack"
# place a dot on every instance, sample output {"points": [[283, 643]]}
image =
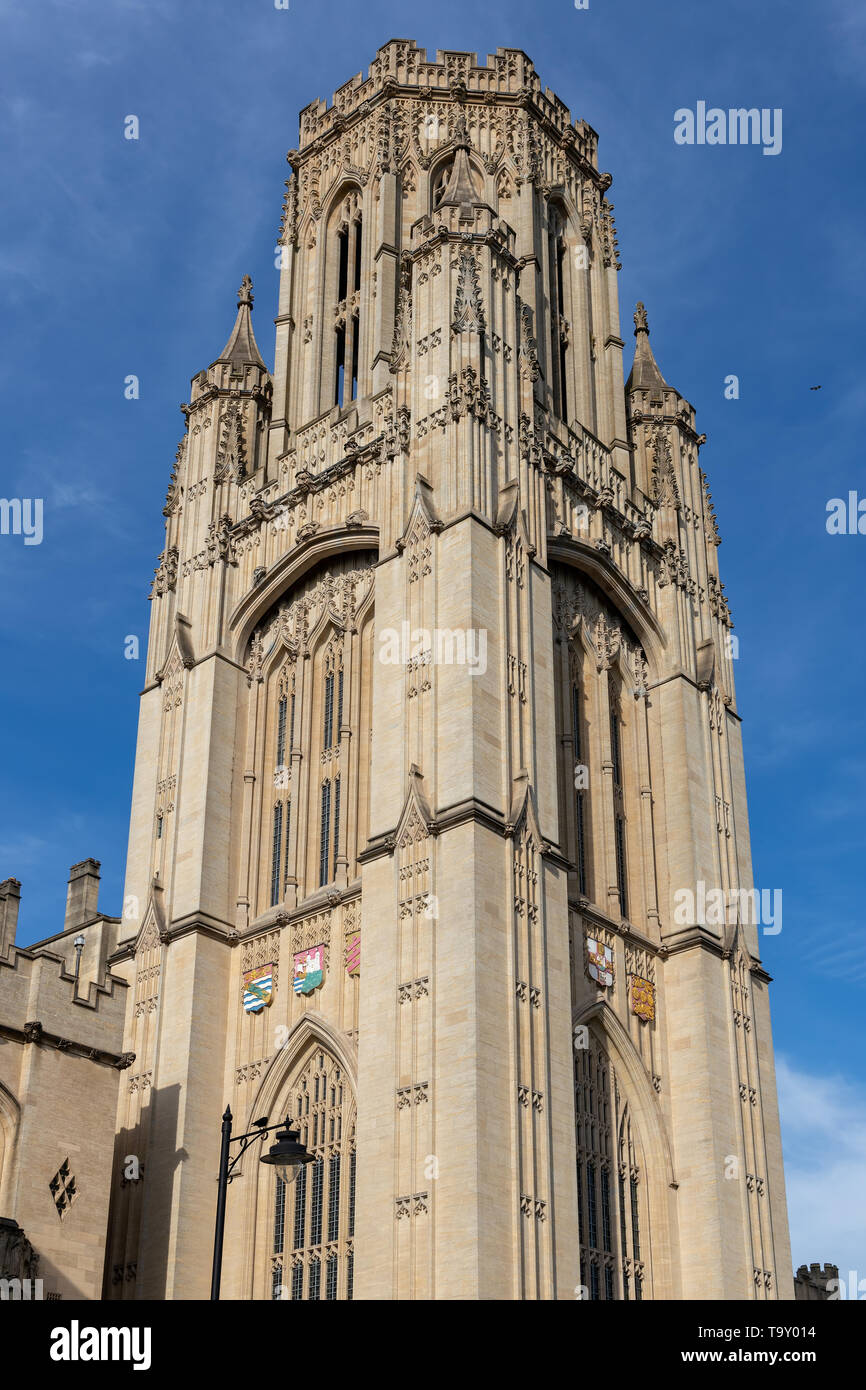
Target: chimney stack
{"points": [[10, 901], [82, 893]]}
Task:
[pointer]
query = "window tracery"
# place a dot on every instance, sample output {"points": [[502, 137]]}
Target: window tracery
{"points": [[310, 728], [314, 1217], [609, 1182], [345, 253], [559, 324]]}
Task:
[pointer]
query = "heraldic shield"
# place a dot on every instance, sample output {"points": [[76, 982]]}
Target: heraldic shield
{"points": [[643, 998], [599, 961], [353, 953], [309, 970], [258, 988]]}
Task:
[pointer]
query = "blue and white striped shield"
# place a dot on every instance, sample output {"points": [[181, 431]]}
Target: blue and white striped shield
{"points": [[258, 988]]}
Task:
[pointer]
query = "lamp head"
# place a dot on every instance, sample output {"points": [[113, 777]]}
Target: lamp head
{"points": [[287, 1154]]}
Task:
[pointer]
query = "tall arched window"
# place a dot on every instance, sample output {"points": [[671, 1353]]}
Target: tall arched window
{"points": [[619, 821], [281, 731], [276, 858], [606, 765], [580, 848], [283, 734], [629, 1207], [559, 325], [325, 832], [329, 806], [343, 300], [609, 1181], [314, 1217], [309, 729]]}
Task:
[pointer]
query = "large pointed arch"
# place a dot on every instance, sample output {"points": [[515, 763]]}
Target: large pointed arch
{"points": [[10, 1120], [660, 1182], [288, 571], [301, 1241], [308, 1032], [581, 556]]}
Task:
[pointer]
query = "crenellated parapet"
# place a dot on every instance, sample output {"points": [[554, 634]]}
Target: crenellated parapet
{"points": [[401, 70]]}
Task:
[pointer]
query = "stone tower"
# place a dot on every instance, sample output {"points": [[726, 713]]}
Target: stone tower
{"points": [[438, 729]]}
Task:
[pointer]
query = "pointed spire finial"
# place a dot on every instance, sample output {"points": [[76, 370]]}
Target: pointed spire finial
{"points": [[241, 349], [644, 374], [460, 190]]}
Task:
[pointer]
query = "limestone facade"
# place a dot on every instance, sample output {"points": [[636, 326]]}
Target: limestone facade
{"points": [[439, 718]]}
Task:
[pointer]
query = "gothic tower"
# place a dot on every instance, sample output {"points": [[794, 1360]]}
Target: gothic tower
{"points": [[438, 728]]}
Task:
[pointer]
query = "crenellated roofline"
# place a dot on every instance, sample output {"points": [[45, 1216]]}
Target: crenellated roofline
{"points": [[402, 68]]}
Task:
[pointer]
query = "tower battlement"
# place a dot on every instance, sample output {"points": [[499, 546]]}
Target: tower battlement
{"points": [[402, 70]]}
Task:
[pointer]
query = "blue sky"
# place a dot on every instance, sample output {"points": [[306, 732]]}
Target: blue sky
{"points": [[122, 257]]}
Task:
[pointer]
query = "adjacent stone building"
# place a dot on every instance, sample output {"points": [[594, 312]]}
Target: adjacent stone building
{"points": [[438, 734], [61, 1031], [817, 1283]]}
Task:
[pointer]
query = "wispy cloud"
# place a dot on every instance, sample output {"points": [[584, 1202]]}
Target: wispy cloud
{"points": [[824, 1138], [846, 956], [848, 27], [19, 852]]}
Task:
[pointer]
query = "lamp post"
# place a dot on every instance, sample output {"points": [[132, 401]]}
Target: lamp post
{"points": [[79, 943], [287, 1155]]}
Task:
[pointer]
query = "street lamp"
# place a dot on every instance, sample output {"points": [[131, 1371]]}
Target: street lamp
{"points": [[287, 1155], [79, 943]]}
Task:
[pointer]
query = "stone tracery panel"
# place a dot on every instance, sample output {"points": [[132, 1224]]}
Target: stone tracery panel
{"points": [[308, 668]]}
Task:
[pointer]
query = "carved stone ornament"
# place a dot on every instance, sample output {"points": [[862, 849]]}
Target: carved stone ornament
{"points": [[291, 623], [468, 306], [231, 458], [528, 353]]}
